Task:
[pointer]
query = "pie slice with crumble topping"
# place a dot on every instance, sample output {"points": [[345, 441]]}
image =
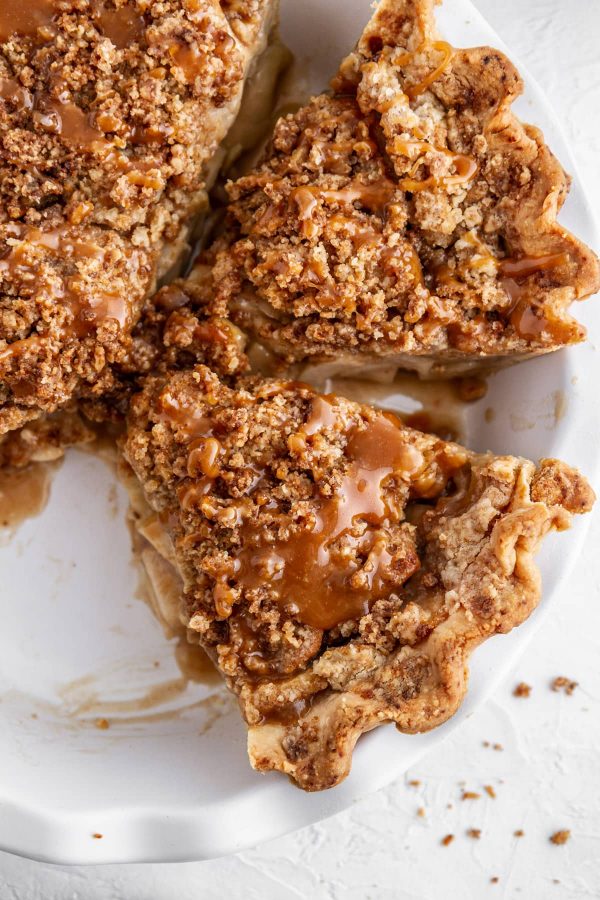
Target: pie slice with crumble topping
{"points": [[409, 219], [338, 567], [112, 117]]}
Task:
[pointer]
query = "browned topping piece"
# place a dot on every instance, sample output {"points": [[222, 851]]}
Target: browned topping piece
{"points": [[519, 833], [470, 795], [564, 684], [522, 690], [490, 791], [338, 566], [405, 218], [97, 836], [447, 840], [471, 389], [474, 833], [102, 724], [414, 783], [498, 747], [421, 812], [494, 879], [560, 837]]}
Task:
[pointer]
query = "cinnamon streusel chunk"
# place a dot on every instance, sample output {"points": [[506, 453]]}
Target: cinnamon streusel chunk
{"points": [[338, 566], [409, 219], [110, 114]]}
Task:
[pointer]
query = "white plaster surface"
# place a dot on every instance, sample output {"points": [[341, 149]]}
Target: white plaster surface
{"points": [[547, 777]]}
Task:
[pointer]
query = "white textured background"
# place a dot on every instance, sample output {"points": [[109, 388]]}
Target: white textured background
{"points": [[548, 775]]}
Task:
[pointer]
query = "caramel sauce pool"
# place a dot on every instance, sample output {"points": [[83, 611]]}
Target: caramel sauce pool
{"points": [[24, 493]]}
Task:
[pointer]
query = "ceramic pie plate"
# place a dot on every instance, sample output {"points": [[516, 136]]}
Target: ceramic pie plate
{"points": [[169, 780]]}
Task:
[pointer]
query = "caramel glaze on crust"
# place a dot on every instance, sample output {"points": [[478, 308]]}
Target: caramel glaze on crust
{"points": [[338, 566], [109, 114], [410, 217]]}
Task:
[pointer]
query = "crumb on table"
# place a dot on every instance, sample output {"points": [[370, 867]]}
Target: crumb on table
{"points": [[564, 684], [560, 837], [522, 690]]}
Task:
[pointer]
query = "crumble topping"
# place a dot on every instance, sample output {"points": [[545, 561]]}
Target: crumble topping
{"points": [[110, 114], [409, 215]]}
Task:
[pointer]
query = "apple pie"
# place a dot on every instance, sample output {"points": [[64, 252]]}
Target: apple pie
{"points": [[111, 116], [408, 219], [338, 566]]}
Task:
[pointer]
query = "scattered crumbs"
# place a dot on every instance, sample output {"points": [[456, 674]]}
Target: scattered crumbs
{"points": [[470, 795], [156, 664], [474, 833], [495, 879], [555, 881], [34, 715], [449, 806], [447, 840], [493, 746], [564, 684], [414, 782], [97, 835], [421, 812], [519, 832], [490, 791], [560, 837], [522, 690], [102, 724], [489, 415]]}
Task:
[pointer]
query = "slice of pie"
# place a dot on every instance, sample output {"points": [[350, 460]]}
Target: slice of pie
{"points": [[338, 567], [111, 119], [409, 219]]}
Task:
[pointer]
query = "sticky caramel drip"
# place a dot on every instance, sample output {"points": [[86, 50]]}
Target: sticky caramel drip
{"points": [[315, 582], [123, 26], [70, 122], [465, 166], [25, 17], [529, 320], [12, 91], [415, 90], [375, 197]]}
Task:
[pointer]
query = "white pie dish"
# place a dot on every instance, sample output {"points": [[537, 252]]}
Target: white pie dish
{"points": [[151, 785]]}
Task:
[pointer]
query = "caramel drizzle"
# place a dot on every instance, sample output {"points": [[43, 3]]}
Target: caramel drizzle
{"points": [[375, 197], [28, 18], [123, 26], [311, 579], [192, 59], [70, 122], [528, 320], [466, 167], [415, 90], [88, 312], [12, 91]]}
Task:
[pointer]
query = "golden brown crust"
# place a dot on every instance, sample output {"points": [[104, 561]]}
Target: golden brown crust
{"points": [[332, 607], [109, 113], [411, 216]]}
